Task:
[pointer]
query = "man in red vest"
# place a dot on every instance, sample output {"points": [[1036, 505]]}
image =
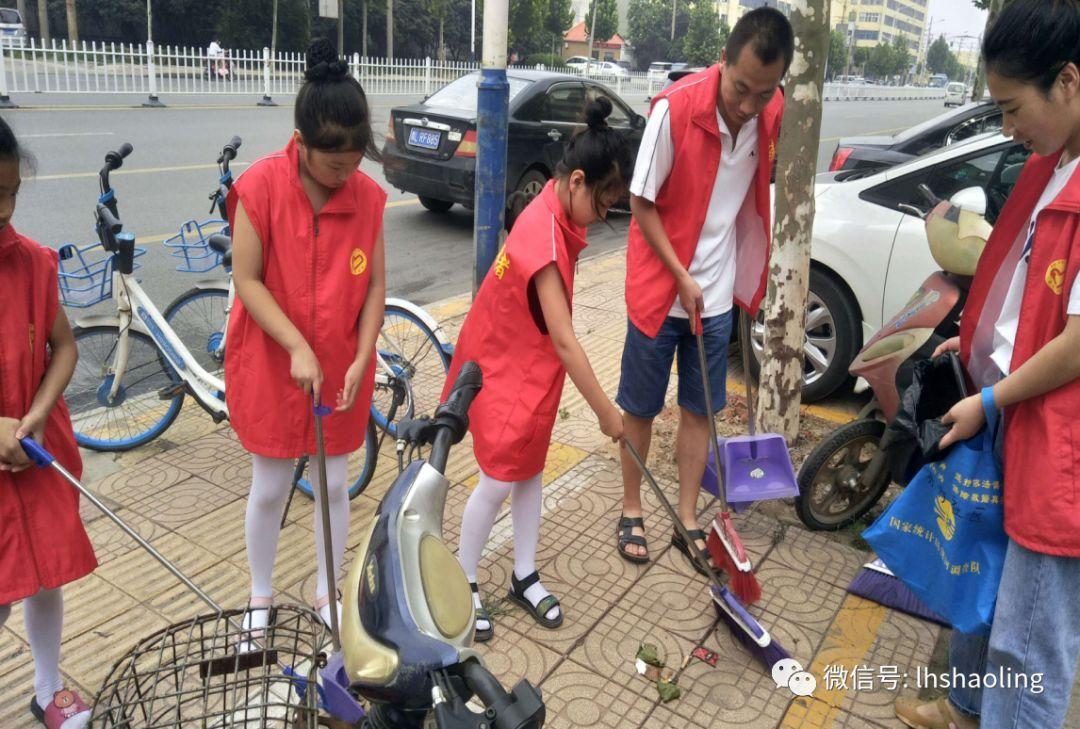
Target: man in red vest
{"points": [[699, 243]]}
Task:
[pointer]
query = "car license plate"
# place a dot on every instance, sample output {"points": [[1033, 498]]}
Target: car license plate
{"points": [[9, 31], [424, 138]]}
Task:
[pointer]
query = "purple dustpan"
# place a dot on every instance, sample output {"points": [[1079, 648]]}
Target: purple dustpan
{"points": [[757, 468], [340, 704], [710, 480]]}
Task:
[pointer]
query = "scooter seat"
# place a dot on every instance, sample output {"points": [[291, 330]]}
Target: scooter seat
{"points": [[222, 245]]}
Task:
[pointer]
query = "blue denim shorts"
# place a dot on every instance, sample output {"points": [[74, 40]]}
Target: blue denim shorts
{"points": [[646, 366]]}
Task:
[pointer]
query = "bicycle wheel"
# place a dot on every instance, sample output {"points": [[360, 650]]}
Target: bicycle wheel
{"points": [[361, 463], [198, 317], [138, 414], [417, 366]]}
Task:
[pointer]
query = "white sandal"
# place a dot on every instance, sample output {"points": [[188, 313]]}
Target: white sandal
{"points": [[250, 628]]}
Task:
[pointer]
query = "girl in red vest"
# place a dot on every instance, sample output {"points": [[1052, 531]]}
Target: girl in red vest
{"points": [[520, 332], [43, 545], [308, 266], [1020, 339]]}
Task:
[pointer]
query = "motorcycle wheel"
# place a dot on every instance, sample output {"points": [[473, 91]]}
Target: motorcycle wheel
{"points": [[832, 494]]}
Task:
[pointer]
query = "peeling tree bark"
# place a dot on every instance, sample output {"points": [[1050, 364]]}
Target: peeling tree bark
{"points": [[780, 393]]}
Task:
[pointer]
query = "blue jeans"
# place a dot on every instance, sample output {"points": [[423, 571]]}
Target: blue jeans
{"points": [[646, 366], [1034, 644]]}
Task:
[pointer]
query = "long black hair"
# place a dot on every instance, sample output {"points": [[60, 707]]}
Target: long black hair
{"points": [[599, 151], [331, 110], [10, 149], [1033, 40]]}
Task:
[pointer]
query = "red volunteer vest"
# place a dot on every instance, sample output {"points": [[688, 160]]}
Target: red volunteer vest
{"points": [[683, 202], [42, 540], [317, 269], [512, 417], [1042, 434]]}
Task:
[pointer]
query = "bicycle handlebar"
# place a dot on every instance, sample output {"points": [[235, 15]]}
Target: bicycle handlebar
{"points": [[228, 153], [113, 161]]}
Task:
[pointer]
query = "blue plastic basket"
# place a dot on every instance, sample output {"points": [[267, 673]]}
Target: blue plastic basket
{"points": [[85, 274], [190, 245]]}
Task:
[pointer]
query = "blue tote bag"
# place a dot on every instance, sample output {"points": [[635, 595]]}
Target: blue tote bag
{"points": [[944, 536]]}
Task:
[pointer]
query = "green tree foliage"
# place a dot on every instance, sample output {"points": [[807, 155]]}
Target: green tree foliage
{"points": [[937, 56], [527, 34], [901, 56], [649, 28], [837, 53], [860, 56], [607, 19], [880, 63], [558, 15], [706, 36]]}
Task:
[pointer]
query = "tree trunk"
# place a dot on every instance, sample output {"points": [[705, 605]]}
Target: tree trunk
{"points": [[390, 28], [273, 32], [363, 31], [72, 22], [442, 46], [780, 393], [979, 86], [20, 5], [592, 32], [43, 20], [341, 28]]}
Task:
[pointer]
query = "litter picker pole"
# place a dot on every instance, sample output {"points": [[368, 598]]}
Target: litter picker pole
{"points": [[324, 507], [491, 132]]}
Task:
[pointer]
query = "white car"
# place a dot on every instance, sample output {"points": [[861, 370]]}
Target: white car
{"points": [[869, 250], [578, 63], [12, 30], [955, 94]]}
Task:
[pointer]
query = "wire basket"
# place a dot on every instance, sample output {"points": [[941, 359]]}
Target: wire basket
{"points": [[85, 274], [191, 674], [190, 245]]}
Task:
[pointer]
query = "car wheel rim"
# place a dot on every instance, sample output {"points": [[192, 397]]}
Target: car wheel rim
{"points": [[819, 349]]}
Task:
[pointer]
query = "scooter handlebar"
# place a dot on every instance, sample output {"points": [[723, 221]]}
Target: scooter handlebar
{"points": [[451, 420]]}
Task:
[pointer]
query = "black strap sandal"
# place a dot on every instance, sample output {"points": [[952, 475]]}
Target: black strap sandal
{"points": [[680, 544], [539, 612], [481, 635], [625, 535]]}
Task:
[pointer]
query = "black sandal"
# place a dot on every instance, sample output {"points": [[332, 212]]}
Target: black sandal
{"points": [[625, 535], [539, 612], [680, 544], [481, 635]]}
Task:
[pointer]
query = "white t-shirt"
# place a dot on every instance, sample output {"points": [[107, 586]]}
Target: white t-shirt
{"points": [[713, 264], [215, 51], [1009, 319]]}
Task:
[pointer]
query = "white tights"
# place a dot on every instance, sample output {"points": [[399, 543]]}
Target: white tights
{"points": [[526, 503], [43, 615], [271, 479]]}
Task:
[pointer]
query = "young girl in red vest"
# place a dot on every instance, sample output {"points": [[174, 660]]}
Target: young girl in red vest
{"points": [[308, 265], [43, 545], [520, 333], [1020, 340]]}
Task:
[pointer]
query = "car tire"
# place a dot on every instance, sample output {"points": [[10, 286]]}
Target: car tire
{"points": [[529, 186], [435, 206], [836, 342]]}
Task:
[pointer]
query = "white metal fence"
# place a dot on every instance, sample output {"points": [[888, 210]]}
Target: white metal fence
{"points": [[59, 67]]}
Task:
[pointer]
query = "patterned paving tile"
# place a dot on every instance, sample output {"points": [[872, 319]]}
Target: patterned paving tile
{"points": [[581, 611], [820, 556], [181, 503], [220, 532], [512, 657], [224, 583], [138, 488], [110, 542], [809, 713], [580, 431], [17, 668], [577, 697], [217, 459], [88, 603], [141, 577], [798, 596], [89, 657]]}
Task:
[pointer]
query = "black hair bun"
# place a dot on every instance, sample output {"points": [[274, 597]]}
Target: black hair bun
{"points": [[597, 111], [323, 63]]}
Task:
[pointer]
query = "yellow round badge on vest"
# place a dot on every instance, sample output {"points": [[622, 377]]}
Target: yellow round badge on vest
{"points": [[1055, 276], [357, 262], [502, 262]]}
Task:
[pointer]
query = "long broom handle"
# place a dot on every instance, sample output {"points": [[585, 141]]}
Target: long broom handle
{"points": [[750, 421], [42, 457], [703, 364], [328, 541]]}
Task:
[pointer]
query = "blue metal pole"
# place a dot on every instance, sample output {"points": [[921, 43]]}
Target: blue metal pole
{"points": [[492, 115]]}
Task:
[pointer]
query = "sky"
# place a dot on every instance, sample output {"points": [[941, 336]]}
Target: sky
{"points": [[956, 17]]}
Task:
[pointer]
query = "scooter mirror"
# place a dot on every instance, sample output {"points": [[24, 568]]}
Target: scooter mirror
{"points": [[971, 199]]}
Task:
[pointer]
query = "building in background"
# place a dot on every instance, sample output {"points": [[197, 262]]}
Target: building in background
{"points": [[576, 43]]}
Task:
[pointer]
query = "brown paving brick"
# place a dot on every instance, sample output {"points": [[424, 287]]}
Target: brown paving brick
{"points": [[664, 717], [140, 576], [580, 431], [798, 596], [577, 697], [302, 592], [16, 690], [111, 542], [184, 502], [88, 603], [809, 713], [193, 423], [139, 487], [818, 555], [221, 532], [581, 611], [225, 583], [217, 459], [512, 657], [89, 657]]}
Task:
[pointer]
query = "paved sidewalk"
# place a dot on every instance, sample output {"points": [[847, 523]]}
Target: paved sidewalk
{"points": [[186, 493]]}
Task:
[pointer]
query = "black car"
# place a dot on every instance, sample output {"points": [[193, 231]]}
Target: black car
{"points": [[872, 153], [430, 149]]}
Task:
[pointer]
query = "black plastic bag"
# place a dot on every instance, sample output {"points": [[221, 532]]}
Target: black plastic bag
{"points": [[936, 385]]}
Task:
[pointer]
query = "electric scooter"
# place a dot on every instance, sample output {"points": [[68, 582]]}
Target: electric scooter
{"points": [[848, 472], [407, 610]]}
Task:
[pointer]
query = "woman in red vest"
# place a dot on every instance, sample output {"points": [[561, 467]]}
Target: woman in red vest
{"points": [[1020, 338], [308, 266], [699, 244], [43, 545], [520, 333]]}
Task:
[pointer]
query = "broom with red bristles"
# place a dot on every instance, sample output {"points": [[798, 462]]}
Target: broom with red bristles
{"points": [[725, 547]]}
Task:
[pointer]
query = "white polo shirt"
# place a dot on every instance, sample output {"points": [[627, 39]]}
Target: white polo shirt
{"points": [[713, 265], [1009, 319]]}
